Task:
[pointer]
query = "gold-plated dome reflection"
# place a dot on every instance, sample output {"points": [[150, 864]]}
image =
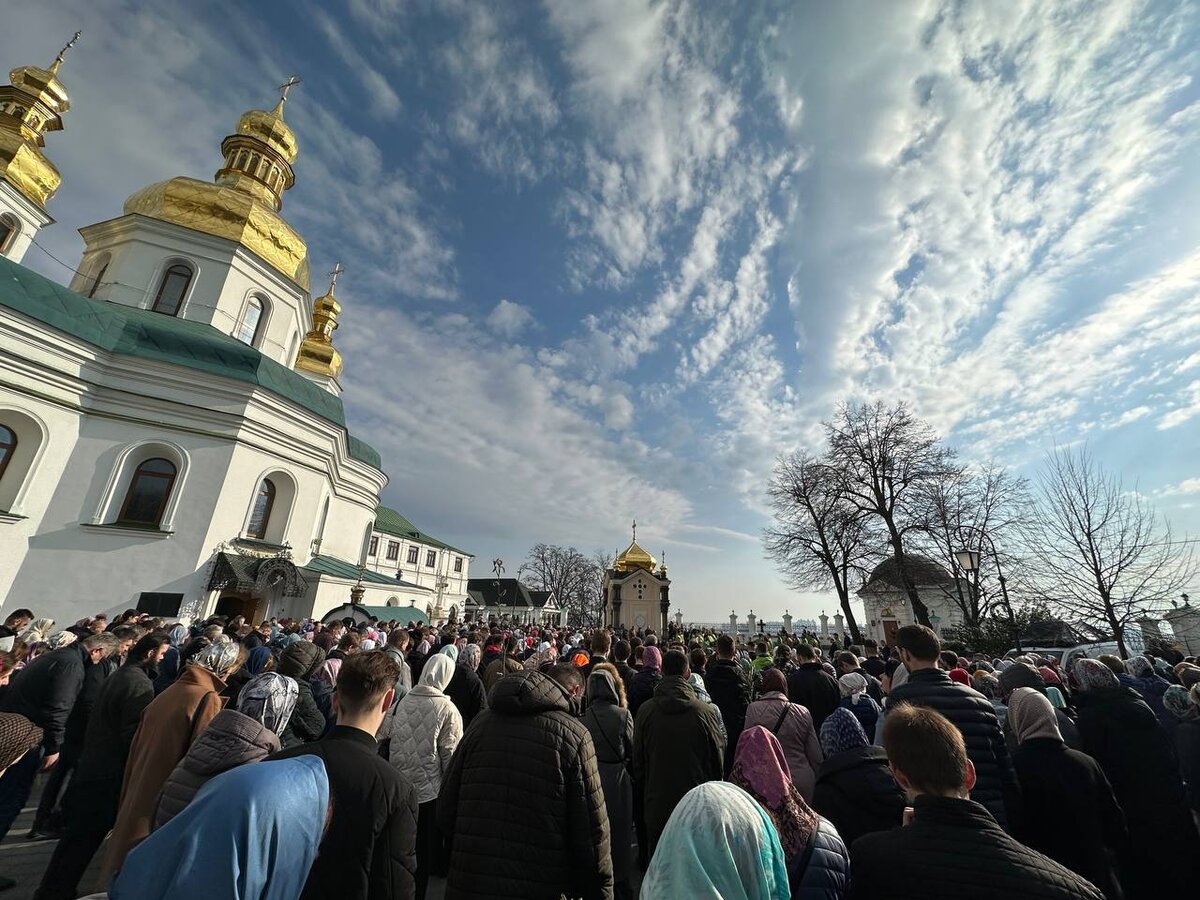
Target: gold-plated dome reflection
{"points": [[317, 353]]}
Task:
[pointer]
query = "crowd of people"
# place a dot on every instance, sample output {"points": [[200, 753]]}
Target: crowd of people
{"points": [[296, 759]]}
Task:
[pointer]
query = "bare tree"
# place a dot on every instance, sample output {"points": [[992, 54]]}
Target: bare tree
{"points": [[887, 463], [576, 581], [980, 509], [819, 539], [1100, 550]]}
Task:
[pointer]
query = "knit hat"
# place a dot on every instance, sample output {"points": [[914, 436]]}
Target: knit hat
{"points": [[1031, 715], [960, 676], [773, 680], [17, 737]]}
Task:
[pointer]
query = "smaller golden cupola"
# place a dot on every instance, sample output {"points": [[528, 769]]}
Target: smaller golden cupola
{"points": [[317, 354], [634, 557], [32, 104]]}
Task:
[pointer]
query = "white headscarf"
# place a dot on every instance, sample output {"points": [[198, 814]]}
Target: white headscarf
{"points": [[853, 685]]}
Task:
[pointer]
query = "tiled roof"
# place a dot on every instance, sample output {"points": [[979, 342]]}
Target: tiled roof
{"points": [[149, 335], [500, 592], [390, 521], [339, 568]]}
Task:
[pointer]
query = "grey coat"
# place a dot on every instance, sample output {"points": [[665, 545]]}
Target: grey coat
{"points": [[611, 727], [230, 740]]}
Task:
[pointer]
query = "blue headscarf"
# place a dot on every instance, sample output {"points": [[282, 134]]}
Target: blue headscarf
{"points": [[718, 843], [257, 660], [250, 834], [840, 731]]}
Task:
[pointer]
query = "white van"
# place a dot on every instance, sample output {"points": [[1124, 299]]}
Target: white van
{"points": [[1066, 656]]}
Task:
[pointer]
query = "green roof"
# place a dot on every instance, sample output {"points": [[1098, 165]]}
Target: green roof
{"points": [[339, 568], [150, 335], [390, 521]]}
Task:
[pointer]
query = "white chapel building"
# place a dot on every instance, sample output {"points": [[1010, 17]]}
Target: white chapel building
{"points": [[172, 436]]}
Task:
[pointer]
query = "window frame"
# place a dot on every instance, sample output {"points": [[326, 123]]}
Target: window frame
{"points": [[9, 446], [414, 555], [265, 486], [431, 559], [373, 546], [162, 285], [14, 231], [393, 551], [458, 564], [122, 517], [263, 306]]}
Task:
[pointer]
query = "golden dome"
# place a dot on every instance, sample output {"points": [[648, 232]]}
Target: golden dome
{"points": [[226, 212], [270, 128], [317, 353], [635, 557], [24, 167]]}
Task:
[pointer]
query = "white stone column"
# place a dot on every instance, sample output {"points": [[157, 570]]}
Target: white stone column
{"points": [[824, 624], [787, 622]]}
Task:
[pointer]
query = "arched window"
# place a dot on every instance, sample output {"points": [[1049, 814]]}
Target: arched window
{"points": [[247, 330], [149, 491], [8, 446], [172, 289], [99, 279], [8, 231], [261, 514]]}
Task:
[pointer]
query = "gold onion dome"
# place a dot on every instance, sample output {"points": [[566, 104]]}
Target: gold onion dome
{"points": [[635, 557], [31, 104], [242, 204], [317, 353]]}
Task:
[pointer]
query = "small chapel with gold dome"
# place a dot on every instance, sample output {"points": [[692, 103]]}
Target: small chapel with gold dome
{"points": [[637, 590], [172, 435]]}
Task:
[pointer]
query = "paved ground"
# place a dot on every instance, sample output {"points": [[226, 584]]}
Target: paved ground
{"points": [[26, 861]]}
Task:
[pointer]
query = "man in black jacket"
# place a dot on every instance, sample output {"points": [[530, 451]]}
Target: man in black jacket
{"points": [[812, 687], [522, 803], [93, 795], [44, 693], [952, 846], [729, 688], [369, 849], [968, 710]]}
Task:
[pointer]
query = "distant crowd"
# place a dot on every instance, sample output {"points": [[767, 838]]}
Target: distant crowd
{"points": [[300, 759]]}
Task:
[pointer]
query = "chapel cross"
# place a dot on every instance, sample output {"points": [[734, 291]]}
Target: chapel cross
{"points": [[338, 269], [635, 531], [292, 81], [58, 60]]}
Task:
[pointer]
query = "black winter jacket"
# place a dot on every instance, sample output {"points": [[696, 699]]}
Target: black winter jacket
{"points": [[1187, 744], [954, 848], [814, 689], [827, 872], [45, 691], [307, 723], [1124, 736], [642, 688], [465, 691], [729, 688], [857, 793], [369, 849], [677, 744], [974, 716], [113, 723], [1068, 812], [522, 804]]}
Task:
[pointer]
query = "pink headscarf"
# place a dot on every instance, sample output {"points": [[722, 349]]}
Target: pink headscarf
{"points": [[761, 770], [652, 658]]}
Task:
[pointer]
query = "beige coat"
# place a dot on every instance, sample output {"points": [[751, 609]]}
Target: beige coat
{"points": [[796, 733], [168, 727]]}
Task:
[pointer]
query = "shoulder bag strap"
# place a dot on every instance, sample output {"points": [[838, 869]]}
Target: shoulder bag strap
{"points": [[782, 717]]}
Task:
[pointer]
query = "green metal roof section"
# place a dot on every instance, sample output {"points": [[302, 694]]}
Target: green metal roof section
{"points": [[339, 568], [150, 335], [396, 613], [390, 521]]}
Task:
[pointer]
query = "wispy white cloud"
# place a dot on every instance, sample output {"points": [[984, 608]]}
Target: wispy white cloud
{"points": [[510, 319]]}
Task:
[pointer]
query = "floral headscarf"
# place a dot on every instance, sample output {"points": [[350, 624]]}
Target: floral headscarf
{"points": [[270, 699], [1094, 675], [38, 630], [61, 639], [1139, 667], [218, 658], [1182, 703], [986, 684], [471, 655], [761, 770], [853, 685], [841, 731]]}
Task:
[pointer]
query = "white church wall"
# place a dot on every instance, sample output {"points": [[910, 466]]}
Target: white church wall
{"points": [[26, 218]]}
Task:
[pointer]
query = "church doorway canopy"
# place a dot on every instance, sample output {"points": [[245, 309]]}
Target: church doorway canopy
{"points": [[256, 575]]}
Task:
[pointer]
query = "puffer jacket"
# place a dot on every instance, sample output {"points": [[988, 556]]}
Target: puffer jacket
{"points": [[301, 661], [857, 792], [730, 690], [230, 740], [953, 848], [678, 743], [827, 874], [972, 714], [424, 729], [522, 802]]}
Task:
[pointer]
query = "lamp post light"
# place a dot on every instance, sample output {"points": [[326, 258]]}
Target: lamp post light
{"points": [[969, 561]]}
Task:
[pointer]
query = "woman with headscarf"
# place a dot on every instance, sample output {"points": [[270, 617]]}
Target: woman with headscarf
{"points": [[1124, 736], [818, 865], [610, 723], [168, 669], [719, 842], [169, 726], [855, 787], [258, 661], [856, 699], [989, 685], [1061, 786], [421, 733], [307, 723], [1140, 676], [465, 689], [792, 724], [233, 738], [250, 834], [1184, 705], [649, 675]]}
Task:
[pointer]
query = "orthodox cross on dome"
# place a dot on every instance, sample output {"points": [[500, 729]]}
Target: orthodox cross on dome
{"points": [[292, 81], [635, 531], [337, 270], [58, 60]]}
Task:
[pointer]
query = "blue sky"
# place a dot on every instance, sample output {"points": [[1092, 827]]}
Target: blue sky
{"points": [[605, 260]]}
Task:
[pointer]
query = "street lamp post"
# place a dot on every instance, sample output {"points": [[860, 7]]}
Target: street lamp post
{"points": [[969, 561]]}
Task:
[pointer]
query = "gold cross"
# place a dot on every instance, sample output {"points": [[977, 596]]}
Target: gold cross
{"points": [[292, 81], [58, 60], [338, 269]]}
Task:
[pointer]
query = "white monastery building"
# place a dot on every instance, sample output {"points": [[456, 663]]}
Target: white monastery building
{"points": [[172, 436]]}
